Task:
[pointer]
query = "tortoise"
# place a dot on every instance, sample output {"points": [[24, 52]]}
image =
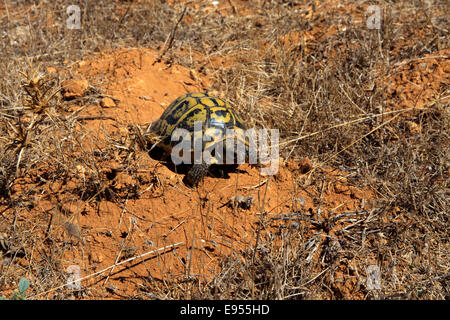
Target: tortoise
{"points": [[218, 121]]}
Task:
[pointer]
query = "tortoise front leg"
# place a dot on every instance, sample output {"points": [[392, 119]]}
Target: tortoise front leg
{"points": [[196, 173]]}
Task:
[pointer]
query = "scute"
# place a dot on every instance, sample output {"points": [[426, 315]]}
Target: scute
{"points": [[187, 120], [221, 117], [213, 112]]}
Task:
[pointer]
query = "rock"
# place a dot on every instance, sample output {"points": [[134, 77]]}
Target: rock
{"points": [[97, 257], [74, 88], [107, 103]]}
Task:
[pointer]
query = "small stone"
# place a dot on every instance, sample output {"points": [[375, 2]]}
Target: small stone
{"points": [[107, 103], [74, 88], [97, 258]]}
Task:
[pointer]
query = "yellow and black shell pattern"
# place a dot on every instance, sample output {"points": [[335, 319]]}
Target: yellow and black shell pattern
{"points": [[215, 114]]}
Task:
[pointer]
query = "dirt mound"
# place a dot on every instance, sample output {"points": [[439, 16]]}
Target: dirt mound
{"points": [[140, 85], [204, 224], [169, 232]]}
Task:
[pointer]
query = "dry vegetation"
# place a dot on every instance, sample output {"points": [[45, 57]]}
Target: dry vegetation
{"points": [[333, 98]]}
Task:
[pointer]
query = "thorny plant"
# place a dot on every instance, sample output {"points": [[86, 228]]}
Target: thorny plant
{"points": [[21, 128]]}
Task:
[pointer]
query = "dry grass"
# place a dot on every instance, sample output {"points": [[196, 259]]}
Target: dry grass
{"points": [[302, 90]]}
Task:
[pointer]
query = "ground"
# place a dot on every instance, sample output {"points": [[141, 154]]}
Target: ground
{"points": [[363, 175]]}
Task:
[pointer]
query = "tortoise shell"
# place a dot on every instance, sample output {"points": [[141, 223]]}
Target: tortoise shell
{"points": [[217, 117]]}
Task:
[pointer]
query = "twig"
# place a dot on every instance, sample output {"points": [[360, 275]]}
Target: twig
{"points": [[254, 187], [363, 237], [85, 118], [174, 228], [113, 266], [172, 36], [401, 64], [233, 7], [344, 124], [303, 285], [120, 251], [121, 20], [359, 139]]}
